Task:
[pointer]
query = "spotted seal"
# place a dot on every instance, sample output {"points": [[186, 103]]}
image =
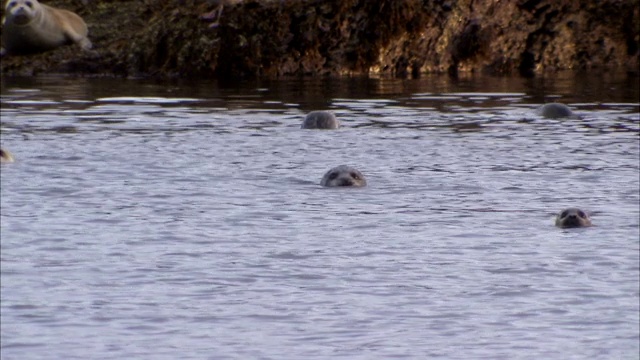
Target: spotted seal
{"points": [[320, 120], [572, 217], [343, 175], [30, 27]]}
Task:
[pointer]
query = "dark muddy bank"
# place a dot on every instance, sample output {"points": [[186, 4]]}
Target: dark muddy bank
{"points": [[404, 38]]}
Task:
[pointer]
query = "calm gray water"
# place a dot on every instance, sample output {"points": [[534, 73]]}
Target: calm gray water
{"points": [[146, 220]]}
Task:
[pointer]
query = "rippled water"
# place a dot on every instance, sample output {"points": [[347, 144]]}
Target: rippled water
{"points": [[147, 220]]}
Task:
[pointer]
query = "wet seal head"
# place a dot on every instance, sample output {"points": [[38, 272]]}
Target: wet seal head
{"points": [[5, 156], [30, 27], [556, 111], [320, 120], [343, 175], [572, 217]]}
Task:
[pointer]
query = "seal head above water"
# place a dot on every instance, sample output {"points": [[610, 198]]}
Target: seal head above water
{"points": [[320, 120], [30, 27], [343, 175], [555, 111], [572, 217]]}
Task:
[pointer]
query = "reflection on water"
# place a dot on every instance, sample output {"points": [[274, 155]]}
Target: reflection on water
{"points": [[360, 102], [185, 220]]}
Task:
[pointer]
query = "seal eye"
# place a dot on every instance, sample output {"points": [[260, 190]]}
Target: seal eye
{"points": [[333, 176], [582, 214], [12, 4], [355, 176], [29, 4], [564, 214]]}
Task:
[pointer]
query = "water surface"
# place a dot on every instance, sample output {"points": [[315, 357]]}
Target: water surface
{"points": [[149, 220]]}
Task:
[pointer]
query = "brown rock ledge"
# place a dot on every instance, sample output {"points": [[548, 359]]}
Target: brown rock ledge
{"points": [[403, 38]]}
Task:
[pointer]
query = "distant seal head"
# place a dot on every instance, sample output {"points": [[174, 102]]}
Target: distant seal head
{"points": [[343, 175], [5, 156], [30, 27], [555, 111], [572, 217], [320, 120]]}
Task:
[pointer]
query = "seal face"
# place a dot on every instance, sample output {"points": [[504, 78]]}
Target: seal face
{"points": [[30, 27], [555, 111], [5, 156], [21, 14], [572, 217], [320, 120], [343, 175]]}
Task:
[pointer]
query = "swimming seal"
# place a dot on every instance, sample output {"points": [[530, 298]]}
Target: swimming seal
{"points": [[30, 27], [343, 175], [572, 217], [555, 111], [320, 120], [5, 156]]}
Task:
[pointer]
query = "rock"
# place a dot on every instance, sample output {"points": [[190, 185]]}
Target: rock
{"points": [[403, 38]]}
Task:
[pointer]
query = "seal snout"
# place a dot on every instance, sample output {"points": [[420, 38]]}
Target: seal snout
{"points": [[21, 18], [572, 220], [345, 182]]}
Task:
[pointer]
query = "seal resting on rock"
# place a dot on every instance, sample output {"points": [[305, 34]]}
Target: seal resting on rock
{"points": [[343, 175], [30, 27], [555, 111], [572, 217], [320, 120], [5, 156]]}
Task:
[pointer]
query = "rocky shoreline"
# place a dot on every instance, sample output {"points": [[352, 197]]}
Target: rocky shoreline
{"points": [[401, 38]]}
